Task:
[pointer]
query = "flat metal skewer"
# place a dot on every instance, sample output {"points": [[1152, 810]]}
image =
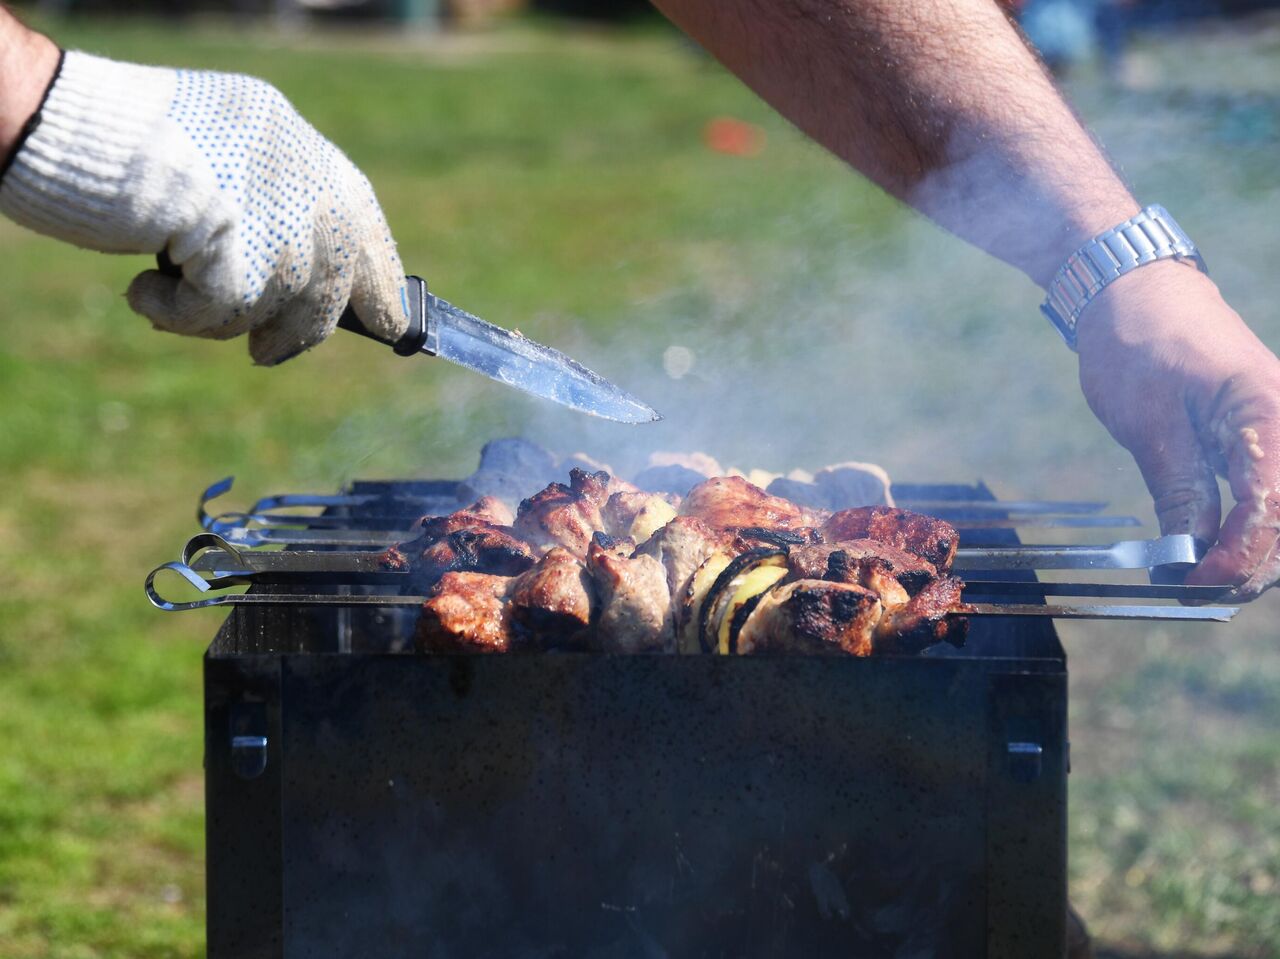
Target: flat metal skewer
{"points": [[1177, 549], [1212, 614]]}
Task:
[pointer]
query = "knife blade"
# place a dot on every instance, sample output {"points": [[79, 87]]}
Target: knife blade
{"points": [[438, 328]]}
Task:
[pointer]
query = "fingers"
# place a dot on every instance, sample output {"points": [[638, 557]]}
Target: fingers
{"points": [[1180, 478], [301, 322], [1247, 555], [175, 305], [378, 291]]}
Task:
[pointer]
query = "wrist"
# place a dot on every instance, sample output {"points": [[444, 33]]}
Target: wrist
{"points": [[100, 128], [28, 64], [1143, 309], [1077, 229]]}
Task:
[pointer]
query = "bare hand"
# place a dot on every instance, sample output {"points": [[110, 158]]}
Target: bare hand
{"points": [[1180, 380]]}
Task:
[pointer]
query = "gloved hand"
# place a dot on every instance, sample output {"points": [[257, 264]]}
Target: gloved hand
{"points": [[274, 228], [1178, 378]]}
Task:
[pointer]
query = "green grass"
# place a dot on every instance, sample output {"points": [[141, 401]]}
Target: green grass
{"points": [[559, 183]]}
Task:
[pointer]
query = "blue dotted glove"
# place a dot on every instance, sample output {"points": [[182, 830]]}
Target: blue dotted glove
{"points": [[274, 228]]}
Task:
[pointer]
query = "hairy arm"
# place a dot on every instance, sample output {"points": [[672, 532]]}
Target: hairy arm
{"points": [[941, 103], [27, 62], [937, 101]]}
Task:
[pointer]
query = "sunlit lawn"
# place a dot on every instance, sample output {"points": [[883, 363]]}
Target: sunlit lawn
{"points": [[560, 183]]}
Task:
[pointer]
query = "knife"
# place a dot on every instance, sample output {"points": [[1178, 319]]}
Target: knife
{"points": [[438, 328]]}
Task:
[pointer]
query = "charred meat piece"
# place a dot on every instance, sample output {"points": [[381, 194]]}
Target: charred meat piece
{"points": [[475, 539], [862, 561], [730, 501], [812, 616], [638, 515], [567, 516], [466, 612], [635, 601], [486, 511], [682, 546], [480, 549], [926, 536], [923, 620], [552, 601]]}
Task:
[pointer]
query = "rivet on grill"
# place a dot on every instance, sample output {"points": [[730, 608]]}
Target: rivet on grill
{"points": [[1025, 761]]}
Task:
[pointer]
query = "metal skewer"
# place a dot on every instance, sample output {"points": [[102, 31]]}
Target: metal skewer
{"points": [[224, 566], [1218, 614]]}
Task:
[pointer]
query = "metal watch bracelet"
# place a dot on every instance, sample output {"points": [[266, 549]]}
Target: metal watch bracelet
{"points": [[1150, 236]]}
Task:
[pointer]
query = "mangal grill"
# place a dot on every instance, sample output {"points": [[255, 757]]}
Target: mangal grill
{"points": [[366, 801]]}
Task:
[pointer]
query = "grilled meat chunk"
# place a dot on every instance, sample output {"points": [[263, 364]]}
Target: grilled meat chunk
{"points": [[862, 561], [475, 539], [486, 511], [730, 501], [466, 612], [553, 600], [811, 616], [635, 601], [638, 515], [682, 546], [482, 549], [567, 516], [923, 620], [926, 536]]}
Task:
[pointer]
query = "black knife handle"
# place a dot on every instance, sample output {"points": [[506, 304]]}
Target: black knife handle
{"points": [[414, 338]]}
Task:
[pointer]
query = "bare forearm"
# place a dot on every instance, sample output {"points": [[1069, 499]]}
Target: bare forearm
{"points": [[938, 101], [27, 63]]}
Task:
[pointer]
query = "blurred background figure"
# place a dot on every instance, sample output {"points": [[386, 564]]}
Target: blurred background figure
{"points": [[1064, 31]]}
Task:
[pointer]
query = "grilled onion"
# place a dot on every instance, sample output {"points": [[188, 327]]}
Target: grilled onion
{"points": [[693, 596], [742, 580]]}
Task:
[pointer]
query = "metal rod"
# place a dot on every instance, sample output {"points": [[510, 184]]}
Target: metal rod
{"points": [[1212, 614], [1002, 506], [1106, 590], [1179, 549]]}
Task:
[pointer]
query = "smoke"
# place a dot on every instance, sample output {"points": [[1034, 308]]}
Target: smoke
{"points": [[850, 328]]}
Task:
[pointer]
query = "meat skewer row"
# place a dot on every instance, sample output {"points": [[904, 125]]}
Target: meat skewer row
{"points": [[738, 570]]}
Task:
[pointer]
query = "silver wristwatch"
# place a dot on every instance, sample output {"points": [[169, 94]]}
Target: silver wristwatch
{"points": [[1151, 235]]}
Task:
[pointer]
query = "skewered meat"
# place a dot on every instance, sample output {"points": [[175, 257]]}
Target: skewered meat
{"points": [[552, 601], [467, 612], [637, 515], [859, 560], [635, 602], [738, 570], [928, 537], [474, 539], [486, 511], [924, 620], [568, 516], [731, 501], [682, 546], [812, 616]]}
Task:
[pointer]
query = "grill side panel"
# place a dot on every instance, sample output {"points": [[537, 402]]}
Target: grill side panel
{"points": [[612, 806], [242, 807]]}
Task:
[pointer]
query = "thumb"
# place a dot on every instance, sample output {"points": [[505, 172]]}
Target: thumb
{"points": [[1180, 478], [175, 305], [378, 289]]}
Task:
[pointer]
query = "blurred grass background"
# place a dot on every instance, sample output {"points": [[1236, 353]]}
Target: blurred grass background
{"points": [[559, 182]]}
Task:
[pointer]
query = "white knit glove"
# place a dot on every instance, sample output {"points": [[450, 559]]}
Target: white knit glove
{"points": [[274, 228]]}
